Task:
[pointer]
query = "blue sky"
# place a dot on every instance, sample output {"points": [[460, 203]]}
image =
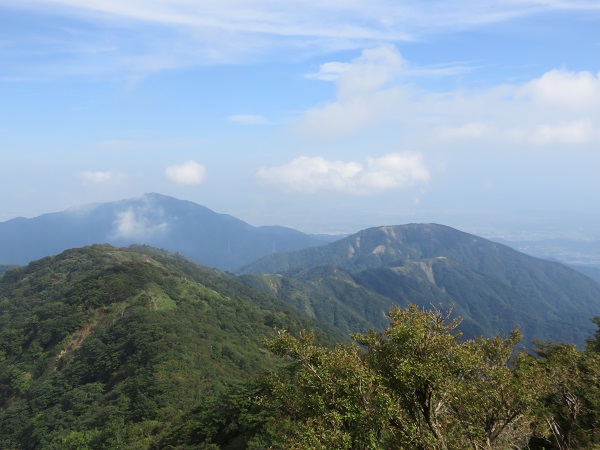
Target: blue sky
{"points": [[325, 116]]}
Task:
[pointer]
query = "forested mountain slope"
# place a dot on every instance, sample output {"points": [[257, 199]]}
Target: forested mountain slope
{"points": [[4, 268], [327, 293], [137, 348], [493, 286], [103, 347]]}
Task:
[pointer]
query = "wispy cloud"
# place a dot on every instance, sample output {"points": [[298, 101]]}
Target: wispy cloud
{"points": [[316, 174], [138, 223], [101, 177], [369, 18], [574, 133], [471, 130], [171, 34], [132, 145], [249, 119]]}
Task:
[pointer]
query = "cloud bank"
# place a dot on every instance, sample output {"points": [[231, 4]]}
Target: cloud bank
{"points": [[315, 174], [372, 90]]}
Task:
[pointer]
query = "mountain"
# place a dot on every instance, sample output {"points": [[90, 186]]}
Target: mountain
{"points": [[327, 293], [492, 286], [591, 271], [4, 268], [206, 237], [105, 347]]}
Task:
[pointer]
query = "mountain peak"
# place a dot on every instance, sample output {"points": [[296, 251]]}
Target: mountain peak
{"points": [[493, 286], [206, 237]]}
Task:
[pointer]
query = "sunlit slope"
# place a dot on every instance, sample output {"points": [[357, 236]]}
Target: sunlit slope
{"points": [[120, 342], [493, 286], [327, 293]]}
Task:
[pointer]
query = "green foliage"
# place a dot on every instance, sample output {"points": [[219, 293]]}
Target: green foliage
{"points": [[4, 268], [140, 349], [568, 380], [104, 348], [494, 288], [328, 294], [593, 343], [414, 386]]}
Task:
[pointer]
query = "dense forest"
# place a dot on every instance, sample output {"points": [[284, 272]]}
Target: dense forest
{"points": [[417, 385], [105, 348], [493, 288]]}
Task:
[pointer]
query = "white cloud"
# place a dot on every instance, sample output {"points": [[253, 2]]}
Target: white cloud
{"points": [[472, 130], [394, 171], [573, 133], [565, 89], [189, 173], [371, 71], [138, 223], [558, 107], [130, 39], [249, 119], [330, 71], [363, 93], [100, 177], [314, 174]]}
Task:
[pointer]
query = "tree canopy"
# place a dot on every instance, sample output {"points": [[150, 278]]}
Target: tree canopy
{"points": [[418, 385]]}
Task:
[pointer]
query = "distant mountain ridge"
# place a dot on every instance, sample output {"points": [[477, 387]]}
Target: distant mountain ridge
{"points": [[493, 286], [206, 237], [351, 282]]}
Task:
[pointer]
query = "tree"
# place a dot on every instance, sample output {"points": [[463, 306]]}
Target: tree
{"points": [[330, 395], [568, 382], [493, 399], [593, 344], [414, 386]]}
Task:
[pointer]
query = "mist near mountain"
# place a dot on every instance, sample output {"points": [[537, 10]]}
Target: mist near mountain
{"points": [[351, 282], [206, 237]]}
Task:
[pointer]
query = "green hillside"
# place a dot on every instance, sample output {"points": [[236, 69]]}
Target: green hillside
{"points": [[4, 268], [329, 294], [104, 347], [112, 348], [493, 286], [487, 306]]}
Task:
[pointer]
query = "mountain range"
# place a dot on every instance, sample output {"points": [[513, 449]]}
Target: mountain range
{"points": [[112, 347], [204, 236], [351, 283], [139, 348], [493, 287]]}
